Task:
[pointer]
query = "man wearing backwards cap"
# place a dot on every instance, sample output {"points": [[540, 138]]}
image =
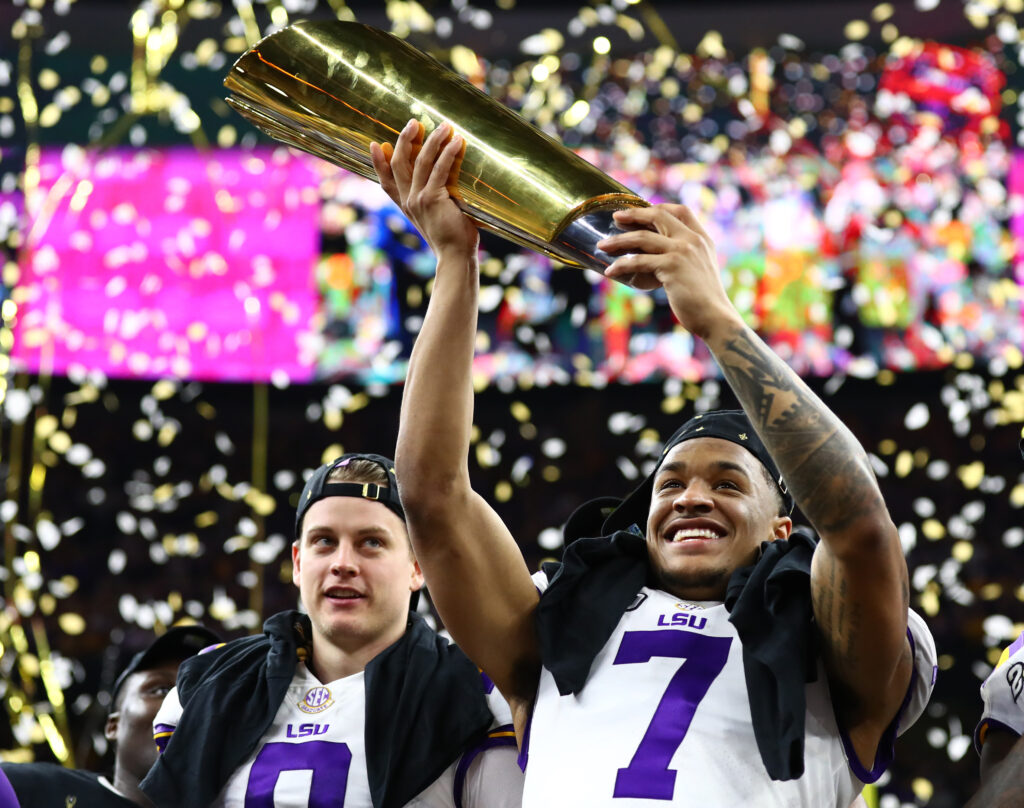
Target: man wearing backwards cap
{"points": [[355, 703], [137, 694], [700, 655]]}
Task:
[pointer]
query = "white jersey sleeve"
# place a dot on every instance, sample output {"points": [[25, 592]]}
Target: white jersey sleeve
{"points": [[926, 667], [490, 775], [166, 719], [493, 779], [486, 776], [1002, 707]]}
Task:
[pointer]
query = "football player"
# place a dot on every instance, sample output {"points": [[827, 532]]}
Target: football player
{"points": [[1002, 718], [354, 703], [998, 735], [136, 697], [705, 653]]}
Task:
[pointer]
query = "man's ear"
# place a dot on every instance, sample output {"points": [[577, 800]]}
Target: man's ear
{"points": [[295, 561], [782, 526], [417, 577], [110, 728]]}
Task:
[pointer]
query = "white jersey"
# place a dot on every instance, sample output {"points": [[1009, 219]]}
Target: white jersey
{"points": [[314, 756], [1003, 707], [664, 720]]}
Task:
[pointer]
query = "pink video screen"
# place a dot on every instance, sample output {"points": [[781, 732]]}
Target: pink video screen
{"points": [[149, 263], [890, 241]]}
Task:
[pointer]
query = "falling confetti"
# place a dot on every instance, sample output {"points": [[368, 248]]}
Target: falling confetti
{"points": [[865, 201]]}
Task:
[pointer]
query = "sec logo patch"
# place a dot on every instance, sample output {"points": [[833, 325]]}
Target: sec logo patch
{"points": [[316, 700]]}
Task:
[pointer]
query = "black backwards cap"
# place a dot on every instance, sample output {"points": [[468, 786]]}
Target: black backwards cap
{"points": [[318, 488], [174, 645], [587, 520], [730, 425]]}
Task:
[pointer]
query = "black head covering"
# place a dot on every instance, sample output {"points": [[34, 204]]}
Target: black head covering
{"points": [[730, 425], [174, 645], [588, 518], [318, 488]]}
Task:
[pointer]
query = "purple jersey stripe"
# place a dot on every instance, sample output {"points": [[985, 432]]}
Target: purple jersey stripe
{"points": [[161, 735], [524, 750], [491, 742], [8, 799], [1016, 646]]}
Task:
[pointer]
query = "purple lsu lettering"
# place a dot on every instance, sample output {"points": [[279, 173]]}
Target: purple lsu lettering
{"points": [[306, 730], [681, 620]]}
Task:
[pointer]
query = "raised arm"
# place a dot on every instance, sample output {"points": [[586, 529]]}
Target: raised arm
{"points": [[859, 575], [476, 573]]}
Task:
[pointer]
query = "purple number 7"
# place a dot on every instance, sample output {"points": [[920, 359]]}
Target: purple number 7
{"points": [[648, 775], [328, 760]]}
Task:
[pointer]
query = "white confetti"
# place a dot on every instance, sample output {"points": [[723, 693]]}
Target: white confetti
{"points": [[917, 416]]}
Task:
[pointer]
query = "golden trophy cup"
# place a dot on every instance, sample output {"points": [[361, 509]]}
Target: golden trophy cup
{"points": [[331, 88]]}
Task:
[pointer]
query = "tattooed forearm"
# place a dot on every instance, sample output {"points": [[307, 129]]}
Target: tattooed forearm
{"points": [[822, 463], [858, 574]]}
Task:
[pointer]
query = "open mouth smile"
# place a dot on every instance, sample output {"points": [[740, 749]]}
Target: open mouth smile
{"points": [[681, 531], [690, 534]]}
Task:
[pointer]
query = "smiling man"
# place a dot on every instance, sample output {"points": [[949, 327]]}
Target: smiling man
{"points": [[702, 653], [706, 531], [355, 703], [137, 695]]}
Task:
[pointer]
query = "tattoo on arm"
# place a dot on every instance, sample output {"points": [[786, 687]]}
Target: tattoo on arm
{"points": [[822, 463], [839, 616], [828, 473], [839, 621]]}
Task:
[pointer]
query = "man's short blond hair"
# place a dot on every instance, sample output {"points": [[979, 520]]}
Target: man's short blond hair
{"points": [[360, 470]]}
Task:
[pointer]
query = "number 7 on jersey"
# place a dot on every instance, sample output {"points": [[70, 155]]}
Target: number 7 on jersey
{"points": [[648, 775]]}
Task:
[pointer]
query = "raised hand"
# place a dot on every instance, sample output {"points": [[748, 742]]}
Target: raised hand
{"points": [[420, 176], [669, 247]]}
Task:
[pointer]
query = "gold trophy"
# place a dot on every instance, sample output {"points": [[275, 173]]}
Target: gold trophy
{"points": [[332, 88]]}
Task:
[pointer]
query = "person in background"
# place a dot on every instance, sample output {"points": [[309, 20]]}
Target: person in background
{"points": [[997, 737], [1002, 717], [355, 703], [137, 695], [1002, 784]]}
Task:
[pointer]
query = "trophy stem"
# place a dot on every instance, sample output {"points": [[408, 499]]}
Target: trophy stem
{"points": [[579, 239]]}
